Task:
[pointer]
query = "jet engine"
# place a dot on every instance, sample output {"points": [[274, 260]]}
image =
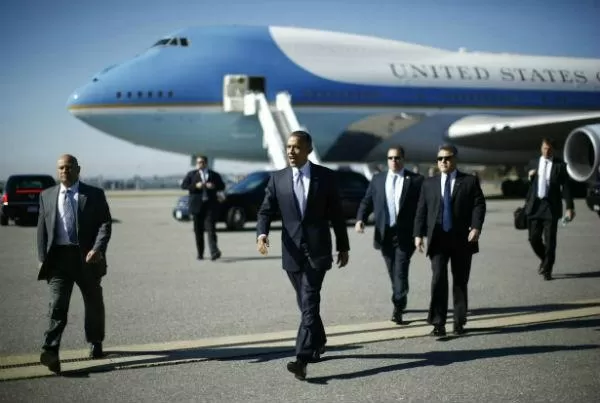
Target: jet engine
{"points": [[582, 152]]}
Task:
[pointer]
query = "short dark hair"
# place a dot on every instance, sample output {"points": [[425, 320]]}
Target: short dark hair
{"points": [[398, 148], [448, 147], [204, 157], [549, 141], [301, 134]]}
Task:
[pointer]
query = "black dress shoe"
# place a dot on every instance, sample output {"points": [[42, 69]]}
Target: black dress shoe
{"points": [[541, 270], [297, 368], [438, 331], [96, 350], [458, 330], [316, 355], [397, 316], [50, 359], [547, 276], [215, 256]]}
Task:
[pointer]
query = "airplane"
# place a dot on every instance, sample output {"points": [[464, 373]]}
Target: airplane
{"points": [[235, 92]]}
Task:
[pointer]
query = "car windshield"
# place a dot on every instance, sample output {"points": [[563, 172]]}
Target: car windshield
{"points": [[250, 182]]}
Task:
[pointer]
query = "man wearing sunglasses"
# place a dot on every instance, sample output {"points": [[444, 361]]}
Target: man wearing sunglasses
{"points": [[450, 212], [393, 197]]}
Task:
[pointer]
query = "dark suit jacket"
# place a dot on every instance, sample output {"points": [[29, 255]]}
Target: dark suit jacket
{"points": [[195, 200], [557, 190], [468, 209], [375, 200], [308, 237], [94, 225]]}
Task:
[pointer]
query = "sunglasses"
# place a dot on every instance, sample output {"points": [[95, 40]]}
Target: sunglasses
{"points": [[449, 158], [394, 158]]}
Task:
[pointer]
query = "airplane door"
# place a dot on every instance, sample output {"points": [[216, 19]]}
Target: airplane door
{"points": [[235, 86]]}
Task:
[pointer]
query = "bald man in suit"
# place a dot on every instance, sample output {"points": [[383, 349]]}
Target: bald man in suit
{"points": [[74, 228]]}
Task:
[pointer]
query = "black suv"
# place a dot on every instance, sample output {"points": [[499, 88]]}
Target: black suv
{"points": [[243, 199], [21, 197], [592, 198]]}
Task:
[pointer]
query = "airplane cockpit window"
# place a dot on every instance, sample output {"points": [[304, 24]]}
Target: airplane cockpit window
{"points": [[172, 42], [162, 42]]}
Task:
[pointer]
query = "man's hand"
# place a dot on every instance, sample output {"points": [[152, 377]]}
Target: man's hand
{"points": [[210, 185], [570, 214], [474, 235], [93, 256], [419, 244], [342, 259], [263, 244], [359, 227], [531, 173], [199, 185]]}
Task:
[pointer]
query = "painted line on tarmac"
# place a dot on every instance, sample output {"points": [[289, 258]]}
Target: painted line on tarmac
{"points": [[231, 347]]}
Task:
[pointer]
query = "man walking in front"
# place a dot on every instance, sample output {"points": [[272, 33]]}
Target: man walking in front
{"points": [[543, 207], [450, 212], [203, 184], [74, 227], [393, 196], [306, 197]]}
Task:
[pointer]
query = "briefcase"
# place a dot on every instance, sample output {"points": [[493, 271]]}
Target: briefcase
{"points": [[520, 218]]}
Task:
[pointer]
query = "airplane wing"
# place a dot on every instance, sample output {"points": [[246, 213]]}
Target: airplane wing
{"points": [[517, 132]]}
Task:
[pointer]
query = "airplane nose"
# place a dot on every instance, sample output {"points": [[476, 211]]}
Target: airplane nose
{"points": [[73, 100]]}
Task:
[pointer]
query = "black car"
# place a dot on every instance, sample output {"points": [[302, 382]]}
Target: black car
{"points": [[243, 199], [20, 199]]}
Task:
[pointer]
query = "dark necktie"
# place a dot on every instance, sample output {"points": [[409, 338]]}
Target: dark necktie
{"points": [[300, 192], [70, 216], [447, 212]]}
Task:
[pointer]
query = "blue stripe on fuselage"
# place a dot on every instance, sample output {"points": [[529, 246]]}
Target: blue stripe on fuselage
{"points": [[194, 74]]}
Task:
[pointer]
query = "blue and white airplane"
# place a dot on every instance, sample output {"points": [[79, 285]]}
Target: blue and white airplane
{"points": [[356, 95]]}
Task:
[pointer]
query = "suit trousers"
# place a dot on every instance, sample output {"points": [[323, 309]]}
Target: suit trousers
{"points": [[311, 332], [66, 269], [448, 249], [542, 234], [205, 220], [397, 257]]}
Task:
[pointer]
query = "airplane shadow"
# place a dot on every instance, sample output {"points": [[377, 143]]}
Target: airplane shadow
{"points": [[590, 274], [247, 258]]}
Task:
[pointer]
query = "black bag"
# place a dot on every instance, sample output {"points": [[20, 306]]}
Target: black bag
{"points": [[520, 218]]}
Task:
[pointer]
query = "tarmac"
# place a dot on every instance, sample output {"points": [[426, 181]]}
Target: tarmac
{"points": [[179, 329]]}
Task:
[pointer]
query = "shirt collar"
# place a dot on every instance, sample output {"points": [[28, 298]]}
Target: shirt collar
{"points": [[452, 175], [74, 188], [400, 173], [305, 169], [542, 158]]}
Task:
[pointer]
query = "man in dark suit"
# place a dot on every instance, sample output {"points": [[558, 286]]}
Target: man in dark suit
{"points": [[203, 185], [306, 196], [549, 184], [393, 196], [450, 212], [74, 227]]}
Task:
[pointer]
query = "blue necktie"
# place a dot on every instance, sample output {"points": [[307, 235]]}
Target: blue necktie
{"points": [[447, 212], [70, 216]]}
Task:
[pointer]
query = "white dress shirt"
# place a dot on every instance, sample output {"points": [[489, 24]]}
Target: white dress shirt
{"points": [[203, 174], [543, 180], [452, 181], [389, 181], [62, 236]]}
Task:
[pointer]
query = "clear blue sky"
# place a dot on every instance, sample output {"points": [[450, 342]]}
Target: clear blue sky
{"points": [[49, 48]]}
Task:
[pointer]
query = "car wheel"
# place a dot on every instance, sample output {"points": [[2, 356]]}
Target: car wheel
{"points": [[3, 220], [236, 218]]}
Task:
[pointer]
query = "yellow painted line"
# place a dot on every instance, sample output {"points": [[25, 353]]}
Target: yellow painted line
{"points": [[170, 353]]}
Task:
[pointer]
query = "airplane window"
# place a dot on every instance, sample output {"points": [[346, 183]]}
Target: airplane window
{"points": [[119, 94], [183, 41], [162, 42], [149, 94], [170, 94], [139, 94], [160, 94], [129, 94], [174, 42]]}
